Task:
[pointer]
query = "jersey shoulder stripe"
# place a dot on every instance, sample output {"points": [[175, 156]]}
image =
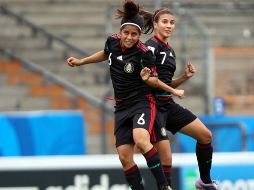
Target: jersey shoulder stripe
{"points": [[154, 39], [142, 46], [153, 42]]}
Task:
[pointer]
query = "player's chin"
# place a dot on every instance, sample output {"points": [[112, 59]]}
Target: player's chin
{"points": [[167, 34]]}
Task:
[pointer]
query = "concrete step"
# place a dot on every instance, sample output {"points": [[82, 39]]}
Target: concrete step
{"points": [[94, 144], [33, 104], [7, 20], [225, 18], [11, 97], [78, 81], [65, 7], [84, 81], [41, 54], [225, 2], [66, 19], [24, 42], [3, 79], [14, 31], [80, 31], [230, 31], [240, 42], [223, 11], [98, 91], [195, 104], [6, 91], [10, 104], [60, 65], [88, 43], [31, 3], [84, 71], [21, 1]]}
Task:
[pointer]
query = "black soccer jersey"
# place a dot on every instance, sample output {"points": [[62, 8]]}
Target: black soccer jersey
{"points": [[125, 66], [164, 61]]}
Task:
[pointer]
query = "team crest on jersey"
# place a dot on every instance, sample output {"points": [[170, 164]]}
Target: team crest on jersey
{"points": [[163, 132], [129, 68]]}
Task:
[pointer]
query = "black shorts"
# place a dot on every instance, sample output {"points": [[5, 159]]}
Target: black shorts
{"points": [[173, 117], [160, 132], [138, 115]]}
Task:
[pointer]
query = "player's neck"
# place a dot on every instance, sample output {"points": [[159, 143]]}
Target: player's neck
{"points": [[161, 38], [123, 48]]}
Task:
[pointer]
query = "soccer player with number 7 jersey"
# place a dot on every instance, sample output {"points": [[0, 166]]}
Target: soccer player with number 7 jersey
{"points": [[171, 115]]}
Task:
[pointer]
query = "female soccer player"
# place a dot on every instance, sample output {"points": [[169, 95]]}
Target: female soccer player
{"points": [[170, 115], [135, 105]]}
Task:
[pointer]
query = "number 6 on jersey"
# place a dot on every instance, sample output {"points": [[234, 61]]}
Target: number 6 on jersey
{"points": [[141, 120]]}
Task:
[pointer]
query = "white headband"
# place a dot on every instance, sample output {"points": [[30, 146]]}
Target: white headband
{"points": [[130, 23]]}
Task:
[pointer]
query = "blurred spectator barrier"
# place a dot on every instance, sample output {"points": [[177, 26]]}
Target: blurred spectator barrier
{"points": [[42, 133], [234, 171]]}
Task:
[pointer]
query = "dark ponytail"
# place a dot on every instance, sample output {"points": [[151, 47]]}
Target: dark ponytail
{"points": [[148, 21], [130, 9], [131, 13]]}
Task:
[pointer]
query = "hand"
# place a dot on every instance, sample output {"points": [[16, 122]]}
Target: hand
{"points": [[179, 93], [190, 70], [145, 74], [72, 61]]}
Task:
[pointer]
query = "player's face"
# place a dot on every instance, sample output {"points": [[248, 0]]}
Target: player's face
{"points": [[165, 26], [129, 36]]}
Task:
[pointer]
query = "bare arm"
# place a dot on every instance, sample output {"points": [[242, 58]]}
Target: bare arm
{"points": [[95, 58], [178, 81], [190, 70], [154, 82]]}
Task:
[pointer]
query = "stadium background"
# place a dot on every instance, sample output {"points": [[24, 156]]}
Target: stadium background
{"points": [[56, 128]]}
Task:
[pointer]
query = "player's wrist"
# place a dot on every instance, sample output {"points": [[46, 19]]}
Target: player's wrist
{"points": [[81, 62], [185, 76], [145, 78]]}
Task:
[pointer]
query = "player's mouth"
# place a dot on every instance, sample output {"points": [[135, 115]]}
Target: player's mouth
{"points": [[128, 43], [168, 32]]}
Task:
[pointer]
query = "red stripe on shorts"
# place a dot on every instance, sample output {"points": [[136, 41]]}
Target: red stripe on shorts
{"points": [[152, 116]]}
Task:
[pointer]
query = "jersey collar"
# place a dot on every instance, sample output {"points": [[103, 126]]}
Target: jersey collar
{"points": [[165, 43]]}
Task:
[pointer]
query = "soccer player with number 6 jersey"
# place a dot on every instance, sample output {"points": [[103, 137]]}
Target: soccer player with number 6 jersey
{"points": [[135, 103]]}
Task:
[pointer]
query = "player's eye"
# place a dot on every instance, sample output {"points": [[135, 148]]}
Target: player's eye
{"points": [[134, 34]]}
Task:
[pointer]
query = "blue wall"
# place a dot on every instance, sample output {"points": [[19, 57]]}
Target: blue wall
{"points": [[226, 139], [42, 133]]}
